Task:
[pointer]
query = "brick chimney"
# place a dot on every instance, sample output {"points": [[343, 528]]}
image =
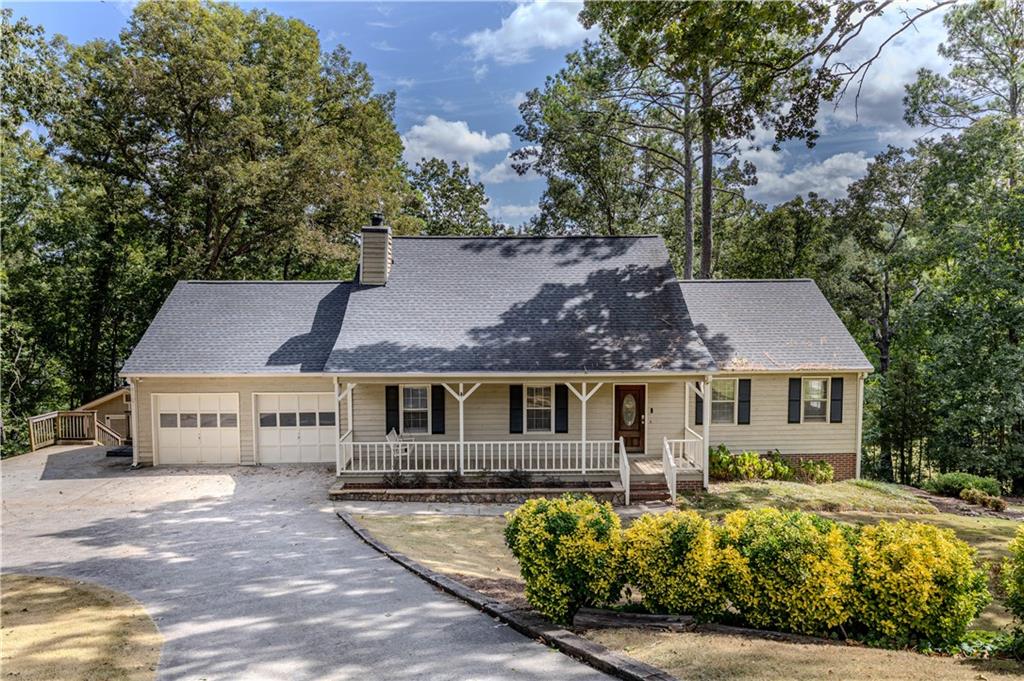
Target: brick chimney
{"points": [[375, 256]]}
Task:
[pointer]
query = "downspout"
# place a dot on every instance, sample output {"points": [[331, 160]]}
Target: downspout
{"points": [[135, 423]]}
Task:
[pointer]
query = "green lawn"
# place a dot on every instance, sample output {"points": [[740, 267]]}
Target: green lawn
{"points": [[849, 495]]}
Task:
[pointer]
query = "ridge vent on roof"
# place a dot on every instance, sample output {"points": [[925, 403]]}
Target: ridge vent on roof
{"points": [[744, 281]]}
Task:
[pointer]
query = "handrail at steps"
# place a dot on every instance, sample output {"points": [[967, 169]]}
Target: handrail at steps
{"points": [[106, 436], [668, 464], [624, 468]]}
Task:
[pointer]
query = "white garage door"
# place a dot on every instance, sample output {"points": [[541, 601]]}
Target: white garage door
{"points": [[197, 428], [296, 428]]}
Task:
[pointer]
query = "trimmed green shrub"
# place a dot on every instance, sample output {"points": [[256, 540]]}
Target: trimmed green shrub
{"points": [[815, 472], [569, 551], [751, 465], [915, 582], [1013, 576], [952, 484], [674, 560], [787, 570], [976, 496], [720, 460]]}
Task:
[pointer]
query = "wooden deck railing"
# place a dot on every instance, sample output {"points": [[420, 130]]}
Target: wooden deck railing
{"points": [[70, 426]]}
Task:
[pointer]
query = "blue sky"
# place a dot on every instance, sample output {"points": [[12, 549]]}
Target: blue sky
{"points": [[459, 71]]}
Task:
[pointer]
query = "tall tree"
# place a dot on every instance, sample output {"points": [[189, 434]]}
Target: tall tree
{"points": [[985, 45], [450, 202]]}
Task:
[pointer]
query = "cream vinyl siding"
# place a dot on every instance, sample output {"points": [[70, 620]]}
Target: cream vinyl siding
{"points": [[115, 406], [376, 257], [768, 428], [245, 387], [487, 412]]}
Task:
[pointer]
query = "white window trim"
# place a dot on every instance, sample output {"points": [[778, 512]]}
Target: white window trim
{"points": [[735, 401], [828, 395], [526, 415], [401, 408]]}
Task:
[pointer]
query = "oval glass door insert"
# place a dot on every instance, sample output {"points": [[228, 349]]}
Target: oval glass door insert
{"points": [[628, 410]]}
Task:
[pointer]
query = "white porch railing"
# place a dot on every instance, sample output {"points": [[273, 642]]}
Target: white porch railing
{"points": [[76, 426], [668, 464], [624, 468], [534, 456]]}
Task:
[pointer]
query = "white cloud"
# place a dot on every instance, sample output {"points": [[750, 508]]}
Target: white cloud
{"points": [[829, 179], [518, 98], [537, 25], [383, 46], [451, 141], [512, 214], [480, 72], [503, 171], [405, 83]]}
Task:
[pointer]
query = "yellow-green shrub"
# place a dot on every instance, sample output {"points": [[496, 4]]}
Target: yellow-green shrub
{"points": [[915, 582], [569, 552], [1013, 576], [673, 559], [789, 571]]}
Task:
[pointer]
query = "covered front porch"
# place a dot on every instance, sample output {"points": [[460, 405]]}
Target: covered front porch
{"points": [[623, 429]]}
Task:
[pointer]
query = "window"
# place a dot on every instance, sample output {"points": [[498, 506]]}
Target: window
{"points": [[207, 420], [286, 419], [415, 408], [307, 418], [815, 398], [188, 420], [229, 420], [327, 418], [268, 420], [538, 409], [168, 420], [723, 401]]}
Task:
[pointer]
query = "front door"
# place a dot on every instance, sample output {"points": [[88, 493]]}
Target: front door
{"points": [[629, 416]]}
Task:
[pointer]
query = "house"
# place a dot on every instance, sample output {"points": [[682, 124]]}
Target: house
{"points": [[481, 355], [113, 411]]}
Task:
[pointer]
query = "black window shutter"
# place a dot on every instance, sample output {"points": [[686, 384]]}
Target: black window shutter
{"points": [[437, 409], [561, 408], [515, 409], [836, 400], [698, 413], [794, 400], [391, 409], [743, 402]]}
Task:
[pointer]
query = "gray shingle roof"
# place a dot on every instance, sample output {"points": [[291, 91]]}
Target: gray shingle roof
{"points": [[770, 325], [474, 305], [521, 304], [242, 327]]}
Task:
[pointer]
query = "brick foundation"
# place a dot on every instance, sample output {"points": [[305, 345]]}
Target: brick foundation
{"points": [[845, 465], [689, 485]]}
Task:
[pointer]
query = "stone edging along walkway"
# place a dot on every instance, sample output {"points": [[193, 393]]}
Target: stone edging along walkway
{"points": [[524, 621]]}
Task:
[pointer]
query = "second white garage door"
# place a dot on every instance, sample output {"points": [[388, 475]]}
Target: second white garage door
{"points": [[296, 427]]}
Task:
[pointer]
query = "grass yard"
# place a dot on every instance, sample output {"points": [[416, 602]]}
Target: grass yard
{"points": [[720, 657], [849, 495], [56, 628]]}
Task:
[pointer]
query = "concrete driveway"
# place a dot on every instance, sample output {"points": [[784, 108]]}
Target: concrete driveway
{"points": [[249, 574]]}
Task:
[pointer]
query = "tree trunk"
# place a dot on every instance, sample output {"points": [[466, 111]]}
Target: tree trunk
{"points": [[97, 294], [884, 345], [706, 178], [688, 190]]}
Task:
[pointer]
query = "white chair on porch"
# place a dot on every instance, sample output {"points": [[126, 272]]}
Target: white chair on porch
{"points": [[399, 450]]}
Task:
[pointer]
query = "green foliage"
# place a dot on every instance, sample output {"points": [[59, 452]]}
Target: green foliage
{"points": [[915, 582], [814, 472], [953, 484], [985, 45], [976, 496], [1013, 576], [451, 203], [569, 551], [790, 571], [675, 562]]}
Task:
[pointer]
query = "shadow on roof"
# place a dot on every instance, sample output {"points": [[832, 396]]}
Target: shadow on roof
{"points": [[571, 251], [623, 319], [310, 351]]}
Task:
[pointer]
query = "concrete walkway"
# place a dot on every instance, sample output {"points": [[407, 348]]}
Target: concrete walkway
{"points": [[249, 574], [358, 508]]}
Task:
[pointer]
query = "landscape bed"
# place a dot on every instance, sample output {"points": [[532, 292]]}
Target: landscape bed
{"points": [[472, 549]]}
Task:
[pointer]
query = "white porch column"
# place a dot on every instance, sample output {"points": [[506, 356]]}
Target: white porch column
{"points": [[707, 429], [461, 397], [583, 397], [860, 419], [337, 427]]}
